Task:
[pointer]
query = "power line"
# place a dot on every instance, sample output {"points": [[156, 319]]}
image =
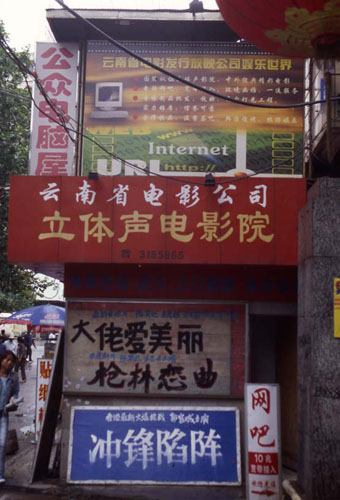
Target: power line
{"points": [[13, 94], [25, 70], [179, 78]]}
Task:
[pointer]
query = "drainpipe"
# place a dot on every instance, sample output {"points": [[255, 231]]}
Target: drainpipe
{"points": [[329, 142], [310, 118]]}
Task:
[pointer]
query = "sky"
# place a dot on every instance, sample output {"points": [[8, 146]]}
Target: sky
{"points": [[25, 21]]}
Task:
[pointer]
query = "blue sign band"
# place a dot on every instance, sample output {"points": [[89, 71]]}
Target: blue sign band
{"points": [[155, 445]]}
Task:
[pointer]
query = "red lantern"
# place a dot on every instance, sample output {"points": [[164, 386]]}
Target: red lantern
{"points": [[294, 28]]}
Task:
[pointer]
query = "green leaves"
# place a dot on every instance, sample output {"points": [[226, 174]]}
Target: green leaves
{"points": [[18, 287]]}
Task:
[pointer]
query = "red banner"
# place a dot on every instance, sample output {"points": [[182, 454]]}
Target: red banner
{"points": [[210, 282], [153, 220]]}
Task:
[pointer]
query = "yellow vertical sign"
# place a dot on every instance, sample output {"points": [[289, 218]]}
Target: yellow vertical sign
{"points": [[336, 307]]}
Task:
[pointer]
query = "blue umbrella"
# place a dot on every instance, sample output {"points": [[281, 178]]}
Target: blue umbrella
{"points": [[45, 315]]}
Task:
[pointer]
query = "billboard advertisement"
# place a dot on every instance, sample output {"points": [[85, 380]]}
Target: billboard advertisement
{"points": [[263, 441], [151, 220], [143, 349], [145, 444], [139, 120], [54, 111], [44, 369]]}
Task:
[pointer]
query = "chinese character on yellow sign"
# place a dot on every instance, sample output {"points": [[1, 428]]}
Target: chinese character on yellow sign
{"points": [[337, 307]]}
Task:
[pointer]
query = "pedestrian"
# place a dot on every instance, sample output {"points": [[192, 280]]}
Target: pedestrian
{"points": [[10, 345], [3, 338], [29, 341], [52, 338], [9, 391], [21, 358]]}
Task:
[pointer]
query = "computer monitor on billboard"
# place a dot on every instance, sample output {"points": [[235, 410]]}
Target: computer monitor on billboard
{"points": [[109, 97]]}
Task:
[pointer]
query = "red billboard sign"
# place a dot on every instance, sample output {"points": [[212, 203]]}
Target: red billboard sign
{"points": [[154, 220], [210, 282]]}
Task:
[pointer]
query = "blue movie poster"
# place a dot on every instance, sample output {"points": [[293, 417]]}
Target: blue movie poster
{"points": [[155, 444]]}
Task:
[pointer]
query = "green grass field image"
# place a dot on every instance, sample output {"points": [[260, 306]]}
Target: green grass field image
{"points": [[190, 152]]}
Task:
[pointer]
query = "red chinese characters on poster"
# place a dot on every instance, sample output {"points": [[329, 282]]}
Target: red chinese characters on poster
{"points": [[54, 110], [44, 368], [263, 441]]}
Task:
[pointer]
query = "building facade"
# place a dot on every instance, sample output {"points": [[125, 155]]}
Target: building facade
{"points": [[171, 214]]}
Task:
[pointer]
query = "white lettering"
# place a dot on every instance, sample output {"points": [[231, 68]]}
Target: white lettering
{"points": [[172, 149]]}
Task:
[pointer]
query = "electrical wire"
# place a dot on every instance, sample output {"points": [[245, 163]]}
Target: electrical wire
{"points": [[136, 167], [25, 70], [155, 174], [179, 78], [71, 130], [13, 94]]}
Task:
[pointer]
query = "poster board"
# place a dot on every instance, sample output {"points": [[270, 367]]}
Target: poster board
{"points": [[153, 349], [154, 220], [52, 147], [154, 445], [153, 123], [263, 441], [44, 368]]}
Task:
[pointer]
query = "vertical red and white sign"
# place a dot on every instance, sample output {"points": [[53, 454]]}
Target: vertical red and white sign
{"points": [[44, 369], [54, 119], [263, 445]]}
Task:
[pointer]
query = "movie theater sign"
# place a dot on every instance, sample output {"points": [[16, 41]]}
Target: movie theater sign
{"points": [[154, 220]]}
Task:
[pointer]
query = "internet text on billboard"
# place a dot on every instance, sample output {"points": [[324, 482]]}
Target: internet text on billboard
{"points": [[140, 120]]}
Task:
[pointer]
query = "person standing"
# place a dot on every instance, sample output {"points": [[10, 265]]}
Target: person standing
{"points": [[9, 391], [21, 358], [2, 343], [29, 341], [10, 345]]}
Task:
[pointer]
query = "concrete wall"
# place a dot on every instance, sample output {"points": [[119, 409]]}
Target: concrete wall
{"points": [[318, 350]]}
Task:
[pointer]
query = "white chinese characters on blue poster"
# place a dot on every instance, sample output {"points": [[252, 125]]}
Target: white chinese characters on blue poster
{"points": [[181, 445]]}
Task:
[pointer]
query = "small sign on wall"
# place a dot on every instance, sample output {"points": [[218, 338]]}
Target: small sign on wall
{"points": [[44, 368], [178, 445], [263, 445]]}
